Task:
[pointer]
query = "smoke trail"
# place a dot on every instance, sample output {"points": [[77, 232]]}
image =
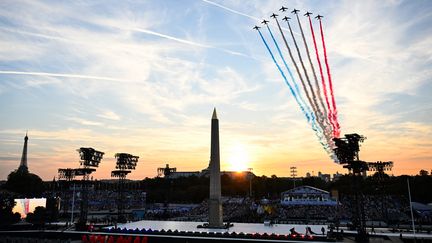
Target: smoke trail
{"points": [[283, 74], [293, 81], [314, 127], [318, 90], [288, 69], [298, 72], [330, 114], [335, 117], [313, 104], [301, 79], [292, 59]]}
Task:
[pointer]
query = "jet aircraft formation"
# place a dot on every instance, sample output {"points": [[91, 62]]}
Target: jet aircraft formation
{"points": [[316, 96]]}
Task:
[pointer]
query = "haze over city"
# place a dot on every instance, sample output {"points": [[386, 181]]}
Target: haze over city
{"points": [[144, 77]]}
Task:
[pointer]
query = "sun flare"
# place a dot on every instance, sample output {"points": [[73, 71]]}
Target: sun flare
{"points": [[238, 158]]}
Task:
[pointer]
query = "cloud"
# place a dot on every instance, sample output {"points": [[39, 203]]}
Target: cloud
{"points": [[85, 122], [110, 115], [62, 75], [231, 10]]}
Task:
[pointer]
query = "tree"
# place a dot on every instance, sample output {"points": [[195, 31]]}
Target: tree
{"points": [[24, 183], [423, 173], [6, 205], [38, 217]]}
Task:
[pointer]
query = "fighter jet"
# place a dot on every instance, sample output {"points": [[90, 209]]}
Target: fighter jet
{"points": [[265, 22], [286, 18], [307, 14], [319, 17], [283, 9], [274, 15], [256, 27], [295, 11]]}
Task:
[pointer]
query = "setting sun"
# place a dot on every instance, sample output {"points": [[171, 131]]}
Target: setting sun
{"points": [[238, 158]]}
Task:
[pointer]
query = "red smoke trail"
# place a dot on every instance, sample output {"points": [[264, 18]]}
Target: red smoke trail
{"points": [[322, 118], [330, 115], [337, 130]]}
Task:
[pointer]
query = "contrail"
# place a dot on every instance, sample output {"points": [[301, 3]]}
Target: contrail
{"points": [[313, 101], [330, 114], [322, 118], [37, 35], [150, 32], [231, 10], [290, 54], [63, 75], [288, 69], [318, 90], [293, 61], [335, 113], [236, 12], [314, 127]]}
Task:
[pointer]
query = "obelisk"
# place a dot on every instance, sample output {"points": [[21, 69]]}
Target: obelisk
{"points": [[215, 203]]}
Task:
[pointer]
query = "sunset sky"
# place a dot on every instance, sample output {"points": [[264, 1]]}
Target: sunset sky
{"points": [[143, 77]]}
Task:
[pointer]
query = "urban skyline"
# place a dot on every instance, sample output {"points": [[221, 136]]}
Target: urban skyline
{"points": [[143, 78]]}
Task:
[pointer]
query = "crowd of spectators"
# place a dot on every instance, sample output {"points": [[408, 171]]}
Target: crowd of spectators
{"points": [[242, 209], [101, 200], [381, 208]]}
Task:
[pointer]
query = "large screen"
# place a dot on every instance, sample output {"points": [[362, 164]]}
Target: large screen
{"points": [[28, 205]]}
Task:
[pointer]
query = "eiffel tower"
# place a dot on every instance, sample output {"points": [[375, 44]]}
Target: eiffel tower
{"points": [[23, 165]]}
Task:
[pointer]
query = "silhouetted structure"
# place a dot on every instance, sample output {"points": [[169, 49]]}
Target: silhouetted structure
{"points": [[124, 165], [21, 180], [23, 168], [215, 203], [347, 151], [66, 176], [293, 170], [166, 172], [380, 167], [379, 177], [90, 159]]}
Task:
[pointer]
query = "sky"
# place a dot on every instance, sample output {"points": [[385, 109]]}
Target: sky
{"points": [[143, 77]]}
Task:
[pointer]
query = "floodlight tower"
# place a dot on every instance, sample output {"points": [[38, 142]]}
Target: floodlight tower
{"points": [[380, 167], [250, 177], [293, 170], [347, 151], [166, 172], [89, 161], [124, 165], [380, 177], [66, 175]]}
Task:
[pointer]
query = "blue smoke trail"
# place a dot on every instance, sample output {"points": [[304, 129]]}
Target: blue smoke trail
{"points": [[325, 145], [285, 78], [312, 120], [303, 103]]}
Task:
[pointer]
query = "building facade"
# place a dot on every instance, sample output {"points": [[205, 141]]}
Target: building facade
{"points": [[307, 195]]}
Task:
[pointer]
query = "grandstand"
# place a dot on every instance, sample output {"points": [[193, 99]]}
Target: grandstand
{"points": [[307, 195]]}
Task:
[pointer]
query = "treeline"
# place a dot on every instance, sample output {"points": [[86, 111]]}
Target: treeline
{"points": [[196, 189]]}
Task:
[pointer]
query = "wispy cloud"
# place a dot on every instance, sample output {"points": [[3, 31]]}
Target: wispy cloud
{"points": [[188, 42], [110, 115], [231, 10], [62, 75]]}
